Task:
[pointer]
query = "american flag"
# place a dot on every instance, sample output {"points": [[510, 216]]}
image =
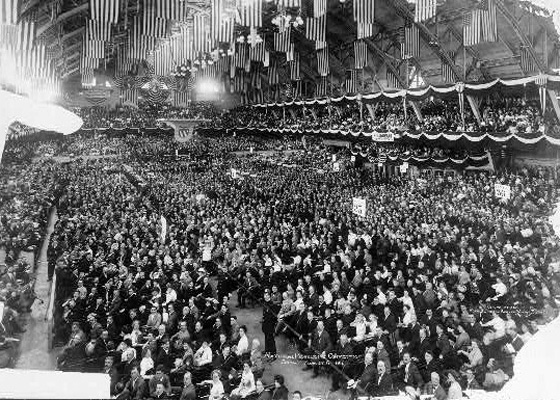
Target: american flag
{"points": [[130, 96], [10, 11], [290, 53], [289, 3], [319, 8], [175, 10], [526, 61], [25, 36], [472, 30], [316, 28], [98, 30], [364, 11], [365, 30], [425, 9], [154, 26], [180, 99], [257, 52], [489, 21], [321, 89], [241, 55], [95, 49], [282, 40], [87, 75], [392, 80], [106, 11], [250, 13], [295, 68], [323, 62], [163, 63], [320, 45], [360, 54], [222, 23], [351, 82], [411, 45], [273, 77], [447, 74], [256, 80], [201, 33]]}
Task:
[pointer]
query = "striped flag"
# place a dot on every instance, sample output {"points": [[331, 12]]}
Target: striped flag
{"points": [[241, 55], [98, 30], [321, 89], [489, 21], [365, 30], [175, 10], [25, 36], [163, 63], [222, 24], [250, 13], [87, 75], [180, 98], [364, 11], [282, 40], [472, 27], [95, 48], [9, 34], [526, 61], [124, 63], [129, 95], [320, 45], [154, 26], [201, 33], [392, 80], [106, 11], [256, 81], [316, 28], [447, 74], [289, 3], [351, 82], [323, 62], [424, 10], [360, 54], [295, 68], [10, 11], [411, 45], [257, 52], [273, 77], [319, 8]]}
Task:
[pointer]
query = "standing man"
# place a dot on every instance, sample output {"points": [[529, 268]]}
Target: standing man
{"points": [[269, 321]]}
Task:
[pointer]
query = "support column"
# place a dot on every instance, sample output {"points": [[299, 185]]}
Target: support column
{"points": [[474, 109]]}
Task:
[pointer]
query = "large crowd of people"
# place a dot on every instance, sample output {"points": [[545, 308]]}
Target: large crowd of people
{"points": [[433, 291]]}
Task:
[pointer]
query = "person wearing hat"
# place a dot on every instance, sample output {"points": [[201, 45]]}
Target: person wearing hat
{"points": [[280, 391]]}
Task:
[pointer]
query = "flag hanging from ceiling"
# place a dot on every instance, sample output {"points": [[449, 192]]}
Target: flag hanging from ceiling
{"points": [[364, 30], [319, 8], [316, 28], [241, 55], [180, 98], [256, 77], [154, 26], [323, 62], [489, 20], [472, 32], [201, 32], [447, 74], [25, 36], [411, 45], [392, 80], [273, 78], [175, 10], [424, 10], [289, 3], [360, 54], [526, 61], [163, 64], [129, 96], [106, 11], [364, 11], [321, 90], [9, 11], [282, 40], [295, 68], [351, 82], [257, 52], [98, 30], [222, 23], [250, 13]]}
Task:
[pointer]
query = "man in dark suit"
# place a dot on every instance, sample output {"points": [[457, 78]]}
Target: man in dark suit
{"points": [[431, 365], [384, 381], [343, 361], [366, 382], [164, 357], [136, 386], [270, 311], [409, 373], [389, 321], [319, 345]]}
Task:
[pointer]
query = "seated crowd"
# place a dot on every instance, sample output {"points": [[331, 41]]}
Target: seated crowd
{"points": [[435, 289]]}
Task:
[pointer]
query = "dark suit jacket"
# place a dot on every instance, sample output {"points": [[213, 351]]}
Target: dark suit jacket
{"points": [[439, 393], [414, 377], [321, 342], [280, 393], [137, 389], [368, 379], [384, 386]]}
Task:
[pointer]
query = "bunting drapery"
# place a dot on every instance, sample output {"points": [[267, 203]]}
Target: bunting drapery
{"points": [[360, 54], [323, 62]]}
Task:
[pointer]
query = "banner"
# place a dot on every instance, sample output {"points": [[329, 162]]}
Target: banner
{"points": [[359, 206], [502, 191], [382, 136]]}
